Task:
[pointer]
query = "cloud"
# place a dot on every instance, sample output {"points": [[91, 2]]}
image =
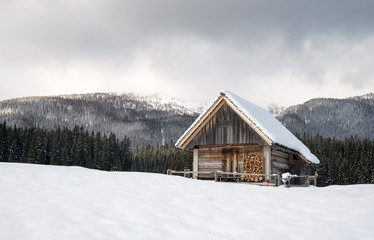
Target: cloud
{"points": [[268, 51]]}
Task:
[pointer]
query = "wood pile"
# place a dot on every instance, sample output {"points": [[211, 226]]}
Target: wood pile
{"points": [[253, 164]]}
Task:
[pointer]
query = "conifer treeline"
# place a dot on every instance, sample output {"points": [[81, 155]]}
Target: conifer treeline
{"points": [[349, 161], [77, 147], [64, 147], [160, 159]]}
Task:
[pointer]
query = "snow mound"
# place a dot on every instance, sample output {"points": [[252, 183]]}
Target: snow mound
{"points": [[287, 174], [50, 202]]}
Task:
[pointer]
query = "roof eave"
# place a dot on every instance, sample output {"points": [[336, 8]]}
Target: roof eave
{"points": [[301, 156], [195, 127]]}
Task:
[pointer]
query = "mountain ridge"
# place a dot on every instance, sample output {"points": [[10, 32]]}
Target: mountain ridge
{"points": [[156, 119], [332, 117], [146, 120]]}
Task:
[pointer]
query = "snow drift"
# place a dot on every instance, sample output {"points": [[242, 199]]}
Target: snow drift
{"points": [[51, 202]]}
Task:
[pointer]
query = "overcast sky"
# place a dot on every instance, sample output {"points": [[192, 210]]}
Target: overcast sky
{"points": [[283, 52]]}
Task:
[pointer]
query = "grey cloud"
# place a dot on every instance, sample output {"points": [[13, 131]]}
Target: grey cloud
{"points": [[184, 43], [89, 27]]}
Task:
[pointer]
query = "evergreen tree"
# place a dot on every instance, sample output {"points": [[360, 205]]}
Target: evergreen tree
{"points": [[105, 159], [4, 142], [114, 161], [361, 175], [28, 133], [15, 150], [90, 150], [125, 154], [98, 147], [65, 161], [56, 155], [40, 147]]}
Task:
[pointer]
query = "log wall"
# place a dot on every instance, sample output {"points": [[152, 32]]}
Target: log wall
{"points": [[213, 158], [279, 161], [282, 161]]}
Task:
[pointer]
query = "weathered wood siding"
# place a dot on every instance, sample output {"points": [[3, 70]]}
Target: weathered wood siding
{"points": [[225, 127], [279, 161], [213, 158], [210, 159], [288, 162], [302, 168]]}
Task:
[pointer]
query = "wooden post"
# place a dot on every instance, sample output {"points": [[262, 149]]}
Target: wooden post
{"points": [[168, 172], [186, 173], [278, 179], [267, 155], [215, 176], [228, 163], [315, 179], [235, 162], [307, 181], [195, 165]]}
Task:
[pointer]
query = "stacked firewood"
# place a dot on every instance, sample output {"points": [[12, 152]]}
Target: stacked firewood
{"points": [[253, 164]]}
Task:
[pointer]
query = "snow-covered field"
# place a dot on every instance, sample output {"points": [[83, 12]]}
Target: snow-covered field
{"points": [[51, 202]]}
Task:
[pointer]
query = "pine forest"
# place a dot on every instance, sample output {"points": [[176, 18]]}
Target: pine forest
{"points": [[348, 161], [78, 147]]}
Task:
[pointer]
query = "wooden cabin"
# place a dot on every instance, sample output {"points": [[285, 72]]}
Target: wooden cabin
{"points": [[236, 136]]}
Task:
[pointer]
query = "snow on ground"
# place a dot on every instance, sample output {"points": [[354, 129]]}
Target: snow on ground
{"points": [[54, 202]]}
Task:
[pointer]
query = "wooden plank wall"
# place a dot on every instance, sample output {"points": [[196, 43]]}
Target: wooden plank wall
{"points": [[211, 158], [287, 162], [302, 168], [279, 161], [225, 127]]}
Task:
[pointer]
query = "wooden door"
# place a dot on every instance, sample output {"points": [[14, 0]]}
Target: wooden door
{"points": [[230, 161]]}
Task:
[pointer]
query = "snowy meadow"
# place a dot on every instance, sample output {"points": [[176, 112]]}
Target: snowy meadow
{"points": [[55, 202]]}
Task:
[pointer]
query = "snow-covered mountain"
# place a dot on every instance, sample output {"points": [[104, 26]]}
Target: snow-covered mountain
{"points": [[368, 97], [146, 119], [155, 119], [329, 117], [275, 110]]}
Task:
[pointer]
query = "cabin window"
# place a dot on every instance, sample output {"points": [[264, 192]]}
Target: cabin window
{"points": [[225, 132]]}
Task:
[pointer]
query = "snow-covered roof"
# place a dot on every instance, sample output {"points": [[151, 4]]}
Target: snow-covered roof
{"points": [[270, 126], [265, 123]]}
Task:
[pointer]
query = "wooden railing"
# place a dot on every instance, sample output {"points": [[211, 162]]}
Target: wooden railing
{"points": [[274, 179], [304, 180], [189, 174], [220, 176], [253, 178]]}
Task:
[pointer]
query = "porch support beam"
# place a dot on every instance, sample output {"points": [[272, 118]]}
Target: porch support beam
{"points": [[267, 155], [195, 164]]}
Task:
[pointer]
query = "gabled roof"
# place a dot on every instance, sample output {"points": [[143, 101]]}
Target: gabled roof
{"points": [[266, 125]]}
